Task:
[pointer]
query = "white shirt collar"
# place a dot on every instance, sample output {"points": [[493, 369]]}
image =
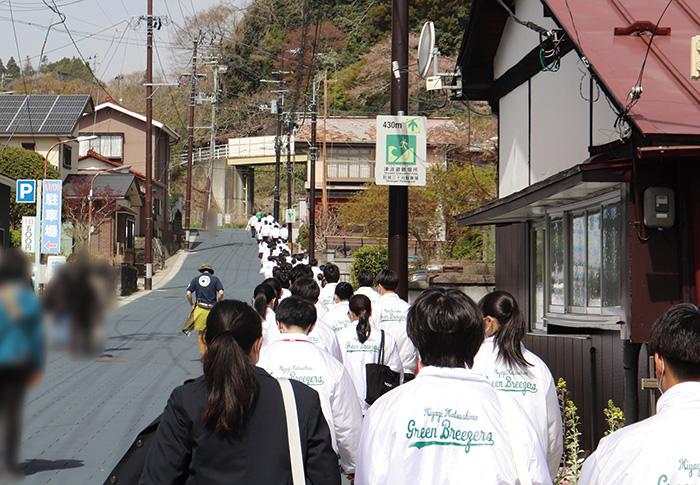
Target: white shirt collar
{"points": [[293, 337], [462, 373], [680, 395]]}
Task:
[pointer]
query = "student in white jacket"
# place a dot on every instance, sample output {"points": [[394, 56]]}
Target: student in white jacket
{"points": [[360, 344], [662, 449], [365, 278], [447, 425], [264, 300], [513, 369], [295, 357], [331, 275], [390, 314], [337, 317], [321, 335]]}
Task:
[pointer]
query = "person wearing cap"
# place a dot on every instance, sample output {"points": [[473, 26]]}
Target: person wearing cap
{"points": [[209, 290]]}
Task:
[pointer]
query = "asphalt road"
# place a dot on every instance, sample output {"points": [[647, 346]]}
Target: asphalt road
{"points": [[85, 414]]}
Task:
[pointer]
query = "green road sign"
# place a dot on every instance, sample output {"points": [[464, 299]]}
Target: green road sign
{"points": [[401, 149]]}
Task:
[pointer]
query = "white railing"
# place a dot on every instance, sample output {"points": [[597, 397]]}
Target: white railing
{"points": [[204, 154]]}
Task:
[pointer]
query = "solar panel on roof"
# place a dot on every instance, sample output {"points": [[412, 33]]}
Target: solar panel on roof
{"points": [[42, 114]]}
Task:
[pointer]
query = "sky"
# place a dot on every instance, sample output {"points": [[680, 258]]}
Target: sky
{"points": [[108, 33]]}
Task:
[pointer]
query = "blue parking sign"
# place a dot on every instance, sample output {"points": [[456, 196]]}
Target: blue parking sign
{"points": [[26, 191], [51, 217]]}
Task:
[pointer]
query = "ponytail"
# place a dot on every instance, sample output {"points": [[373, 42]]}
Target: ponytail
{"points": [[361, 306], [233, 327], [262, 296], [502, 306]]}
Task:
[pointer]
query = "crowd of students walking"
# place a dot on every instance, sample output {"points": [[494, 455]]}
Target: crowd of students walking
{"points": [[474, 405]]}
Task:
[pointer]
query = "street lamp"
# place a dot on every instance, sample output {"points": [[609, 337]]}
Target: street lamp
{"points": [[120, 169], [78, 139]]}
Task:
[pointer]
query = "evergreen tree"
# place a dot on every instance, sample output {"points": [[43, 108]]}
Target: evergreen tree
{"points": [[13, 71], [28, 69]]}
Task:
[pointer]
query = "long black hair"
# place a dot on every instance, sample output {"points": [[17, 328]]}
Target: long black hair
{"points": [[502, 306], [361, 306], [233, 327], [262, 296]]}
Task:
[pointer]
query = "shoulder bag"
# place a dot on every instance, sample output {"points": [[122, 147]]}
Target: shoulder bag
{"points": [[293, 434], [380, 378]]}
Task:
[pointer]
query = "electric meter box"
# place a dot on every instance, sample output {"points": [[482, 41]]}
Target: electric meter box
{"points": [[659, 208]]}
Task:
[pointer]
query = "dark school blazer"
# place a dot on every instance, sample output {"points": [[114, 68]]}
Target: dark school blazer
{"points": [[185, 451]]}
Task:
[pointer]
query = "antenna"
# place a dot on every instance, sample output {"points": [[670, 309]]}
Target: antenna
{"points": [[429, 54], [426, 46]]}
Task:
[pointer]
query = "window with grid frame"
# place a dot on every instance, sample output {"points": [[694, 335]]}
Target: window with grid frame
{"points": [[576, 263], [109, 146]]}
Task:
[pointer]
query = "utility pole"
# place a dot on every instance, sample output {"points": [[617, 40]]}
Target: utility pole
{"points": [[312, 180], [188, 196], [148, 206], [290, 127], [278, 144], [398, 195], [324, 189], [212, 140]]}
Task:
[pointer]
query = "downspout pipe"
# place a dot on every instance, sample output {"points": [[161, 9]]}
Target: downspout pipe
{"points": [[630, 366]]}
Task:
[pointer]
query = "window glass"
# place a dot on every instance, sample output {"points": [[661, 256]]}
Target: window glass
{"points": [[556, 255], [129, 242], [538, 303], [109, 146], [578, 260], [67, 156], [612, 243], [594, 261]]}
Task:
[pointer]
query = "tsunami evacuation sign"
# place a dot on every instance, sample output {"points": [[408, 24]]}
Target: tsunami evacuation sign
{"points": [[401, 150]]}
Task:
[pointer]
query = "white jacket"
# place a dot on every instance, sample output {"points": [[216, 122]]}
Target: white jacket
{"points": [[390, 314], [321, 310], [337, 317], [321, 335], [327, 294], [533, 388], [444, 427], [662, 449], [356, 355], [370, 293], [295, 357]]}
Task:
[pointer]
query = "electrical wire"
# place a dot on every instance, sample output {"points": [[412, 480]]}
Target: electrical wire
{"points": [[528, 24], [636, 91]]}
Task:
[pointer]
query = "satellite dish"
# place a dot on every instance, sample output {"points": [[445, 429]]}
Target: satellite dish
{"points": [[426, 45]]}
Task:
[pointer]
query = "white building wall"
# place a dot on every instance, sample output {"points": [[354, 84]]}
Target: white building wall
{"points": [[557, 116], [560, 120], [518, 40], [513, 166]]}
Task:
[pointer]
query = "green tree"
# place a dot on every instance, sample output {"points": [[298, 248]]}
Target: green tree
{"points": [[66, 68], [28, 70], [13, 71], [18, 163], [372, 258], [432, 208]]}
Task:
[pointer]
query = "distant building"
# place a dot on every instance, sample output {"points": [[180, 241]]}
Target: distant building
{"points": [[40, 121], [351, 154], [121, 138]]}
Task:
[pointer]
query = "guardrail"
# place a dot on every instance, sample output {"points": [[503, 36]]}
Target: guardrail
{"points": [[204, 154]]}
